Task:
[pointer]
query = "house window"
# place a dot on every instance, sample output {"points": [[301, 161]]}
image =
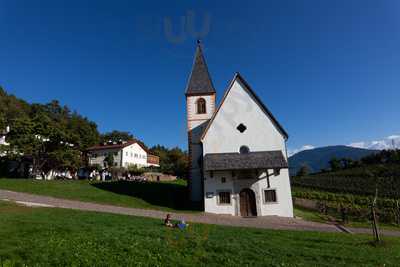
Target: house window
{"points": [[223, 180], [224, 198], [201, 106], [270, 196], [126, 153], [244, 150]]}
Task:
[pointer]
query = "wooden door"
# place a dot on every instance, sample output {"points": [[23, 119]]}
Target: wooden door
{"points": [[248, 206]]}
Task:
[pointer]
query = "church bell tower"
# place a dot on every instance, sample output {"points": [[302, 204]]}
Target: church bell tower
{"points": [[200, 107]]}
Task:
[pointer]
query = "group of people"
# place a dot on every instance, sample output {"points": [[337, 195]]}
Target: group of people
{"points": [[168, 223]]}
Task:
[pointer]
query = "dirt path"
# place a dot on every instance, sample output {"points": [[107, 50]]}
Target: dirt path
{"points": [[269, 222]]}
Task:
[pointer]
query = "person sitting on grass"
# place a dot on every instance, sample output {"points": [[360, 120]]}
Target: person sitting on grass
{"points": [[181, 225], [167, 221]]}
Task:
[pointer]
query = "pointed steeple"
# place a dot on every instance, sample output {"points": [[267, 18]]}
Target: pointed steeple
{"points": [[199, 82]]}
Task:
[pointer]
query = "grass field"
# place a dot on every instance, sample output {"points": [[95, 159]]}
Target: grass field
{"points": [[314, 216], [168, 196], [58, 237]]}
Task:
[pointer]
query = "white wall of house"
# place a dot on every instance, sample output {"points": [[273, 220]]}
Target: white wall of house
{"points": [[3, 140], [213, 185], [134, 155], [97, 157], [123, 157], [261, 135], [239, 107], [3, 134]]}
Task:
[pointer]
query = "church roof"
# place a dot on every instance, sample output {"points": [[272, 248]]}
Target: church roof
{"points": [[239, 78], [199, 82], [251, 160]]}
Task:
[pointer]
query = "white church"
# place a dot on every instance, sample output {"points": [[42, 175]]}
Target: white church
{"points": [[238, 162]]}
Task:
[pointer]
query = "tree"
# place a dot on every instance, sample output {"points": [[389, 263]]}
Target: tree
{"points": [[172, 161], [135, 170], [50, 136], [347, 163], [116, 136], [303, 171], [3, 123], [335, 165], [109, 160]]}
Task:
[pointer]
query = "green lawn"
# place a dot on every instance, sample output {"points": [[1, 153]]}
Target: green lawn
{"points": [[314, 216], [168, 196], [59, 237]]}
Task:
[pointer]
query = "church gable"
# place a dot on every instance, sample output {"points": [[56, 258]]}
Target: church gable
{"points": [[243, 120]]}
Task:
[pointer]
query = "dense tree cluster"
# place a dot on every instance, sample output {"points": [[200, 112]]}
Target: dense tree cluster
{"points": [[51, 136], [383, 157], [116, 136], [172, 161]]}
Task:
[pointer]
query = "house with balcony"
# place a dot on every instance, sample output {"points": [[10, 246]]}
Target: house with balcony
{"points": [[124, 153]]}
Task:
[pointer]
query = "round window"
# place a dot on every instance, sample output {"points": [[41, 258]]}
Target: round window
{"points": [[244, 150]]}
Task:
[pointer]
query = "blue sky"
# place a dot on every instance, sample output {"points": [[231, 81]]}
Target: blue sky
{"points": [[328, 70]]}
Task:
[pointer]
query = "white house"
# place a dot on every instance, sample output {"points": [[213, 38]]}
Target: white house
{"points": [[3, 142], [3, 134], [124, 153], [237, 151]]}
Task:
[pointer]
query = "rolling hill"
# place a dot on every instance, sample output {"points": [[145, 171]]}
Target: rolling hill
{"points": [[318, 158]]}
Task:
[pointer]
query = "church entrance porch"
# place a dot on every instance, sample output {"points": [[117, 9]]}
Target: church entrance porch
{"points": [[248, 207]]}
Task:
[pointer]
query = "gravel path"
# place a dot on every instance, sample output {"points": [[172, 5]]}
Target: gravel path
{"points": [[268, 222]]}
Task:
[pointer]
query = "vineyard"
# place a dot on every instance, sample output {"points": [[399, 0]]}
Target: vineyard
{"points": [[354, 207], [350, 192], [360, 181]]}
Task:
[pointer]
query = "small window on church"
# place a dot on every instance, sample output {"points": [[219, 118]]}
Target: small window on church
{"points": [[270, 196], [224, 198], [201, 106], [241, 128], [244, 150]]}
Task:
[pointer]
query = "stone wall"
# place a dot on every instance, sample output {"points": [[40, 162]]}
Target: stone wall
{"points": [[158, 177]]}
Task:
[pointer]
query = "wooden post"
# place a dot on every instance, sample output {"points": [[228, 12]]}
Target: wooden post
{"points": [[343, 213], [375, 229]]}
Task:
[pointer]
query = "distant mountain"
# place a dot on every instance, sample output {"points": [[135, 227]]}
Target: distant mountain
{"points": [[390, 142], [318, 158]]}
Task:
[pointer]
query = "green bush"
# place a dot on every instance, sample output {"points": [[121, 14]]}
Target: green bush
{"points": [[135, 170]]}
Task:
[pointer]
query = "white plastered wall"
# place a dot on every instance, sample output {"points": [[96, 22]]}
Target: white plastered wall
{"points": [[261, 135]]}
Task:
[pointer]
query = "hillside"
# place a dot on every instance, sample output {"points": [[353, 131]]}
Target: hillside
{"points": [[318, 158], [360, 180]]}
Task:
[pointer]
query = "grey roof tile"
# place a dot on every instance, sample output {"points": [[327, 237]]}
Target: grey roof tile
{"points": [[252, 160], [199, 81]]}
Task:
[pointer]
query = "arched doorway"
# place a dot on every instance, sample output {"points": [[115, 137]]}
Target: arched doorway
{"points": [[248, 206]]}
